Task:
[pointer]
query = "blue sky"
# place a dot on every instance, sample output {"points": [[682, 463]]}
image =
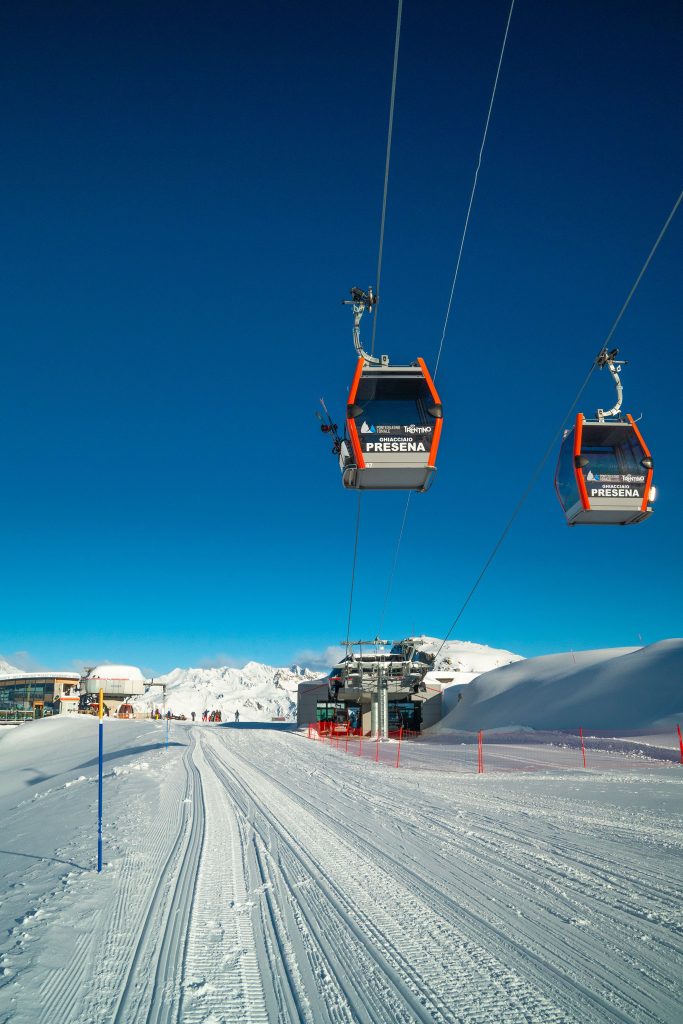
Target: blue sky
{"points": [[188, 192]]}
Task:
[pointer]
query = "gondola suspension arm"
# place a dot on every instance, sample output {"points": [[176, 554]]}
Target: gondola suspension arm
{"points": [[609, 359], [362, 301]]}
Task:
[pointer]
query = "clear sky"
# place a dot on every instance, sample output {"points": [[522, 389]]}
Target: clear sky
{"points": [[189, 189]]}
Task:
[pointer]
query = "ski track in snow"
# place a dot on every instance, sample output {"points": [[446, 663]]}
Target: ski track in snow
{"points": [[257, 877]]}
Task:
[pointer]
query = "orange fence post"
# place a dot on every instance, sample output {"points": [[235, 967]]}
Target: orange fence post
{"points": [[680, 741], [377, 748], [480, 752], [346, 748], [398, 752], [360, 749], [583, 749]]}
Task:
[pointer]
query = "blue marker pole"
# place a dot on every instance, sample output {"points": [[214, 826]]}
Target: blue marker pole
{"points": [[99, 787], [167, 733]]}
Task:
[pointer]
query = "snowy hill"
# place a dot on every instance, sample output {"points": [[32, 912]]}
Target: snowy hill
{"points": [[622, 688], [459, 663], [258, 692], [464, 656]]}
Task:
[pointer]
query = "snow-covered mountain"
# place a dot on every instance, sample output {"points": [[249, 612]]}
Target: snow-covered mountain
{"points": [[262, 692], [624, 688], [6, 669], [259, 692]]}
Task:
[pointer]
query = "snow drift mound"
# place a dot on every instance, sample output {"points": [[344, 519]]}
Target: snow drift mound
{"points": [[259, 692], [624, 688]]}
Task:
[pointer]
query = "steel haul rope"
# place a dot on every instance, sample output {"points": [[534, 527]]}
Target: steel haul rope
{"points": [[474, 188], [455, 275], [539, 468], [386, 170], [353, 573], [392, 104]]}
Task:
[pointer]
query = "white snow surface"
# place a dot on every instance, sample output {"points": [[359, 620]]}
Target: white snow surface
{"points": [[116, 672], [626, 689], [464, 655], [252, 875], [459, 663], [259, 692]]}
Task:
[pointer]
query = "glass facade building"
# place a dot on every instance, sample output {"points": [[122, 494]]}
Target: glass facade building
{"points": [[35, 695]]}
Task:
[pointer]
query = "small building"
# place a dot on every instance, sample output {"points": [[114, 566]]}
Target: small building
{"points": [[374, 690], [30, 695], [309, 694]]}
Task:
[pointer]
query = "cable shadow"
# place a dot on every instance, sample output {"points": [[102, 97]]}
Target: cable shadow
{"points": [[37, 856]]}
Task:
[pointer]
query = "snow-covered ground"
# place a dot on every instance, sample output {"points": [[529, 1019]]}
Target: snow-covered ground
{"points": [[627, 688], [253, 875]]}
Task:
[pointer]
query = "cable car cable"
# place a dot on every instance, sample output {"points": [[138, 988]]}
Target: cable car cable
{"points": [[393, 567], [386, 169], [454, 282], [353, 573], [644, 268], [539, 468], [474, 189]]}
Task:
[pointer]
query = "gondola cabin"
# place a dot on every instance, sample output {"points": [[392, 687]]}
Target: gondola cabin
{"points": [[393, 422], [604, 473]]}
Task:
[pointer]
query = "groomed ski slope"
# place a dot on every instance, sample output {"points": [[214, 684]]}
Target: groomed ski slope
{"points": [[253, 875]]}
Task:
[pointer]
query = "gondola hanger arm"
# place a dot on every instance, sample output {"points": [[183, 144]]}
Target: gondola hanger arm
{"points": [[362, 301], [609, 359]]}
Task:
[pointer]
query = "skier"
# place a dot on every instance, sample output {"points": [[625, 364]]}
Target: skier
{"points": [[237, 715], [192, 715]]}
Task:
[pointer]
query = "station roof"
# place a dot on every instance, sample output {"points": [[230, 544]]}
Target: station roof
{"points": [[19, 676], [123, 673]]}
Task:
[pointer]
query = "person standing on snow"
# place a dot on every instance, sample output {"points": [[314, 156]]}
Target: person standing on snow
{"points": [[237, 715], [192, 715]]}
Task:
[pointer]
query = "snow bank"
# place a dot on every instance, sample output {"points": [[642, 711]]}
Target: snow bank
{"points": [[625, 689]]}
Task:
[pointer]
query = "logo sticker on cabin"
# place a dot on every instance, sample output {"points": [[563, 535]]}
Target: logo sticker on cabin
{"points": [[409, 438]]}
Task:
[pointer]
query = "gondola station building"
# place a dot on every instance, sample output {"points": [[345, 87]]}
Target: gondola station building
{"points": [[28, 695]]}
